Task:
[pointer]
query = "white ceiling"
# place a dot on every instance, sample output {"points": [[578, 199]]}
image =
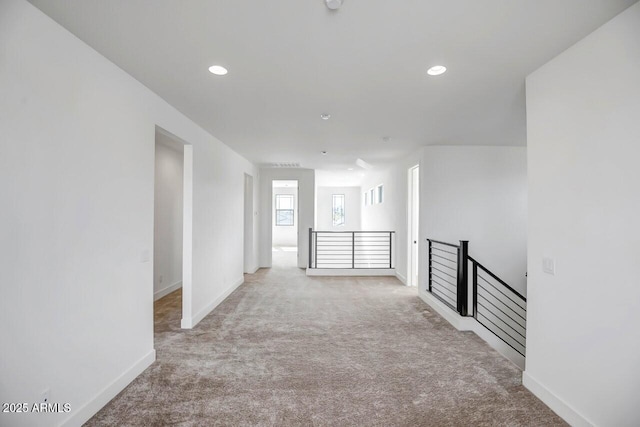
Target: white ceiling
{"points": [[365, 64]]}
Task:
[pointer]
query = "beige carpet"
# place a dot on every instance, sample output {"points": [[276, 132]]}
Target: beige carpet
{"points": [[285, 349]]}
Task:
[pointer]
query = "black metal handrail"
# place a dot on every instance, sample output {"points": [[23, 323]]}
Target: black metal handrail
{"points": [[496, 305], [351, 249]]}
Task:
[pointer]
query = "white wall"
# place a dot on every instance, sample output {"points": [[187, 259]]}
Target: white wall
{"points": [[583, 339], [324, 208], [477, 194], [391, 214], [77, 167], [285, 235], [167, 226], [306, 198]]}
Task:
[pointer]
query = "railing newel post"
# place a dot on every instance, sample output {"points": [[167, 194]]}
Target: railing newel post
{"points": [[390, 249], [310, 247], [463, 277], [428, 240], [353, 249]]}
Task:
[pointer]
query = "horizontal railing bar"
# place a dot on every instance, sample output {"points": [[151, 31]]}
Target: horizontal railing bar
{"points": [[444, 280], [498, 279], [517, 341], [444, 265], [502, 302], [498, 317], [356, 268], [444, 258], [443, 287], [442, 250], [349, 232], [443, 272], [505, 341], [496, 288], [443, 243], [498, 308], [442, 297]]}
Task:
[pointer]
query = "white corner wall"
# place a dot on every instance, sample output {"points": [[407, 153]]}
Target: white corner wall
{"points": [[324, 208], [306, 206], [77, 167], [477, 194], [583, 339], [392, 213], [167, 226]]}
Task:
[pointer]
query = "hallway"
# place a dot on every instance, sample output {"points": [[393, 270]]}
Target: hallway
{"points": [[286, 349]]}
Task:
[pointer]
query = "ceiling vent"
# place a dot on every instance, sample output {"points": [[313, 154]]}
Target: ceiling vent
{"points": [[282, 165]]}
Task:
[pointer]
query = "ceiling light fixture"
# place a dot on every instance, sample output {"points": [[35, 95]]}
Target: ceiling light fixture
{"points": [[325, 116], [436, 70], [218, 70], [333, 4], [349, 169], [386, 138], [324, 153]]}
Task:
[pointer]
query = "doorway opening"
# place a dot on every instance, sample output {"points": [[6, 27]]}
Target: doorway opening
{"points": [[171, 230], [284, 235], [413, 237]]}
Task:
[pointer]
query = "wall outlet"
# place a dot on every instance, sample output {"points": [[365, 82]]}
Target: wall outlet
{"points": [[549, 265], [45, 396]]}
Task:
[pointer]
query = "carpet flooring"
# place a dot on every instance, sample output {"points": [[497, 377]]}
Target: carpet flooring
{"points": [[285, 349]]}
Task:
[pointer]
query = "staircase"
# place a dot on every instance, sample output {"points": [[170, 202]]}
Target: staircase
{"points": [[472, 298]]}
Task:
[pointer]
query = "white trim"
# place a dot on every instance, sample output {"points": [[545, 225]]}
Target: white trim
{"points": [[166, 291], [253, 270], [188, 323], [88, 410], [187, 234], [499, 345], [401, 278], [559, 406], [351, 272], [470, 324], [458, 322]]}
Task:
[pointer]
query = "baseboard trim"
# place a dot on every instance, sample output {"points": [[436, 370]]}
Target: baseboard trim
{"points": [[401, 278], [559, 406], [253, 270], [471, 324], [166, 291], [88, 410], [458, 322], [190, 323]]}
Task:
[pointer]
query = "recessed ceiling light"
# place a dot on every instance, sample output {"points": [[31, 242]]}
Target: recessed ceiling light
{"points": [[324, 153], [333, 4], [436, 70], [325, 116], [349, 169], [218, 70]]}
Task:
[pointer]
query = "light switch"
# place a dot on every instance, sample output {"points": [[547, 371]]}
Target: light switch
{"points": [[549, 265]]}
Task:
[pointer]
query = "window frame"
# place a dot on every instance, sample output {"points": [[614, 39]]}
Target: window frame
{"points": [[335, 197], [278, 210]]}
